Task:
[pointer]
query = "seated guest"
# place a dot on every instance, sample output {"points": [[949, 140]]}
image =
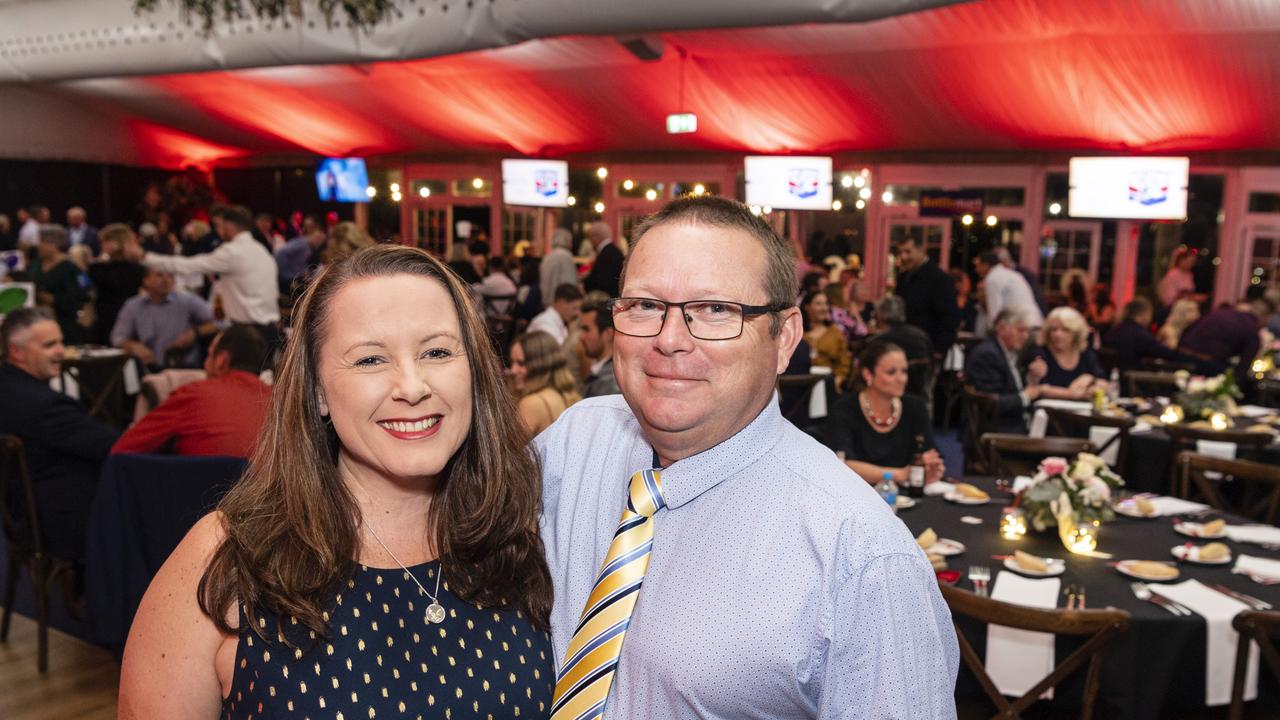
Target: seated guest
{"points": [[850, 323], [162, 322], [891, 313], [392, 489], [992, 367], [1131, 339], [1228, 333], [115, 279], [1181, 316], [541, 379], [880, 428], [566, 303], [828, 346], [295, 255], [1072, 368], [64, 446], [217, 416], [60, 285], [596, 338]]}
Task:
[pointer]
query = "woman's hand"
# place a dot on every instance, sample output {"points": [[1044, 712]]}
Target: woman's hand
{"points": [[934, 468]]}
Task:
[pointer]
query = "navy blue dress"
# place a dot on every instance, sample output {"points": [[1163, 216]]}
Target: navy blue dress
{"points": [[1058, 377], [383, 659]]}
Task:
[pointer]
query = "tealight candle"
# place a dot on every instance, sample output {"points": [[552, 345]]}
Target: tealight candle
{"points": [[1077, 537], [1219, 421], [1013, 524], [1171, 415]]}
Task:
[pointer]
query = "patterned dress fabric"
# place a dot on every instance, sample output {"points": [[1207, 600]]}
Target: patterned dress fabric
{"points": [[383, 659]]}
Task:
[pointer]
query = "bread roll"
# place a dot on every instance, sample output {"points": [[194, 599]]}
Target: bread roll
{"points": [[972, 492], [1214, 551], [1030, 562], [937, 561], [1211, 529], [1145, 506], [1151, 568], [927, 539]]}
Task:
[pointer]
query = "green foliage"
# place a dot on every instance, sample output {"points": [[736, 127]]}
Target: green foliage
{"points": [[364, 14]]}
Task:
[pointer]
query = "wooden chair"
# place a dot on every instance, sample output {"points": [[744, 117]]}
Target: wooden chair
{"points": [[1183, 437], [1145, 384], [1258, 485], [1102, 627], [981, 411], [1160, 365], [1021, 455], [793, 393], [1260, 626], [1066, 423], [26, 545]]}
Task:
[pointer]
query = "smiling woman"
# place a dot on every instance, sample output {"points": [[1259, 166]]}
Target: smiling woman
{"points": [[391, 491]]}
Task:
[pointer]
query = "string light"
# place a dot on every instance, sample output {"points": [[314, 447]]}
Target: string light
{"points": [[396, 196], [859, 182], [846, 181], [599, 207], [395, 187], [992, 220], [424, 192], [602, 172], [836, 204], [650, 194], [1055, 208], [887, 196], [628, 184], [861, 204], [967, 220], [699, 189], [477, 183], [571, 201], [371, 191], [865, 193]]}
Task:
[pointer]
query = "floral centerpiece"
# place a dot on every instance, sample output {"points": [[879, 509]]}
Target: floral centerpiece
{"points": [[1201, 397], [1081, 489]]}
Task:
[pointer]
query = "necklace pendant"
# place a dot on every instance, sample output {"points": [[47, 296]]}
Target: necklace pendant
{"points": [[435, 613]]}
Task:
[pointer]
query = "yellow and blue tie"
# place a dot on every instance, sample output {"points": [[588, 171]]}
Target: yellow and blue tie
{"points": [[592, 658]]}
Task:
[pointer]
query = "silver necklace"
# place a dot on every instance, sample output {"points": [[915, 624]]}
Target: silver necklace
{"points": [[435, 612]]}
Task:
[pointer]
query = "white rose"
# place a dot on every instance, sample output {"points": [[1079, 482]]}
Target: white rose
{"points": [[1082, 471], [1197, 385], [1180, 377], [1213, 384], [1096, 462], [1098, 490]]}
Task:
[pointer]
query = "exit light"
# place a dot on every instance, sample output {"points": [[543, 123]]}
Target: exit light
{"points": [[682, 123]]}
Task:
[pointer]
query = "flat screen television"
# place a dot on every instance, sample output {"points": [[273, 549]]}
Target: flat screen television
{"points": [[342, 180], [1118, 188], [793, 183], [540, 183]]}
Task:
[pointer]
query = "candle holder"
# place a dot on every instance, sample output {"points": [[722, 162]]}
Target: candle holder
{"points": [[1081, 538], [1219, 421], [1013, 523], [1171, 415]]}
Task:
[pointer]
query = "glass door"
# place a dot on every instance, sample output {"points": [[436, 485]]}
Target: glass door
{"points": [[933, 233], [1264, 257], [1068, 245]]}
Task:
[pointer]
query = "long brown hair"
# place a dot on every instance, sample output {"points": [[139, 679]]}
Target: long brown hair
{"points": [[292, 525], [547, 366]]}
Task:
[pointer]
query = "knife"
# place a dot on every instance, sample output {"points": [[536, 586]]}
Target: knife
{"points": [[1249, 600]]}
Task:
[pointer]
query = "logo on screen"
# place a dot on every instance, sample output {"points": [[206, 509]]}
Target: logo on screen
{"points": [[802, 182], [546, 182], [1149, 188]]}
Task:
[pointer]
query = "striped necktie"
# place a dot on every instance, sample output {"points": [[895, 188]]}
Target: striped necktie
{"points": [[592, 658]]}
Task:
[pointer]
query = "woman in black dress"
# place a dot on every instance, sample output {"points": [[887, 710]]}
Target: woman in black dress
{"points": [[1072, 368], [880, 428], [380, 557]]}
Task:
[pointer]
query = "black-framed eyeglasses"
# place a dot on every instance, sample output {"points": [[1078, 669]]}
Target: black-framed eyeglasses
{"points": [[705, 319]]}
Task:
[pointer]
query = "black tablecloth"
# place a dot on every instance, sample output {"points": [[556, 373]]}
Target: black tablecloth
{"points": [[1160, 663], [144, 506]]}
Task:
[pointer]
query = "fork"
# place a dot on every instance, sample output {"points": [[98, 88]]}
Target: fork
{"points": [[1070, 592], [1142, 592], [979, 575]]}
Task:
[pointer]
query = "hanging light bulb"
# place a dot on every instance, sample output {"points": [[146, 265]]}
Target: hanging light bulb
{"points": [[861, 204], [836, 204], [571, 201], [371, 191], [846, 181], [599, 207], [865, 193], [628, 184], [967, 220], [992, 220], [650, 194], [395, 187], [424, 191], [699, 189], [477, 183], [602, 172]]}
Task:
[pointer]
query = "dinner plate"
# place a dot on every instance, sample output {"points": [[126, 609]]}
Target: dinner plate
{"points": [[1123, 567], [1057, 566], [1129, 508], [1195, 530], [905, 503], [1192, 555], [945, 547], [959, 499]]}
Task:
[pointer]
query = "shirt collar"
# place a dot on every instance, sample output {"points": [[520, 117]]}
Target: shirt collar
{"points": [[686, 479]]}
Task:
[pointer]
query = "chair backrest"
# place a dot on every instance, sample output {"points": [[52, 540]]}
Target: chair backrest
{"points": [[1021, 455], [1107, 358], [1102, 627], [18, 515], [1258, 500], [1260, 626], [1145, 383], [1160, 365], [1068, 423], [981, 411]]}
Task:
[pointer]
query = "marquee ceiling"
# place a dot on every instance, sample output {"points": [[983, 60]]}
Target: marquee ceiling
{"points": [[998, 75]]}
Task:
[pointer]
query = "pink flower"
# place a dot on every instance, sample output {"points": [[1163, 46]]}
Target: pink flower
{"points": [[1053, 466]]}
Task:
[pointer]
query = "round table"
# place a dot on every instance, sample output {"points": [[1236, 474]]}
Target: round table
{"points": [[1160, 662], [1149, 463]]}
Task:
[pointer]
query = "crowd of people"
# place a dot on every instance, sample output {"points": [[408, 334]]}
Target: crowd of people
{"points": [[397, 408]]}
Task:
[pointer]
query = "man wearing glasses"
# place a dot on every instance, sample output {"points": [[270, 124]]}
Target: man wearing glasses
{"points": [[710, 560]]}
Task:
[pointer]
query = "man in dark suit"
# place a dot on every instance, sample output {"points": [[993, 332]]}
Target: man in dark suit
{"points": [[80, 232], [64, 446], [929, 294], [608, 263], [992, 367], [1132, 340]]}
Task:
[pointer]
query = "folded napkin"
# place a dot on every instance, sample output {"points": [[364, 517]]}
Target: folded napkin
{"points": [[1018, 659], [1040, 419], [1100, 435], [954, 359], [942, 487], [1254, 411], [1253, 565], [1253, 533], [1176, 506], [1039, 423], [1217, 610], [1217, 449], [818, 396]]}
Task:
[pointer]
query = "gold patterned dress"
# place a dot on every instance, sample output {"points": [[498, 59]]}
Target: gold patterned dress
{"points": [[384, 659]]}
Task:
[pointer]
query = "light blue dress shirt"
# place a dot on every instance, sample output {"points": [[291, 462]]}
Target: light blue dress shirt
{"points": [[779, 586]]}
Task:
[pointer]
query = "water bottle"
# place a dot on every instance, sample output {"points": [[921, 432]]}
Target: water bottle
{"points": [[888, 490], [1113, 387]]}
